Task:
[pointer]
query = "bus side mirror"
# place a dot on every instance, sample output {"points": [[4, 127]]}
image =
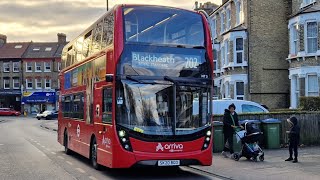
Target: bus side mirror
{"points": [[109, 77]]}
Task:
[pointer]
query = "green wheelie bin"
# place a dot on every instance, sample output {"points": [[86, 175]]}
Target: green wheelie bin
{"points": [[218, 139], [271, 131]]}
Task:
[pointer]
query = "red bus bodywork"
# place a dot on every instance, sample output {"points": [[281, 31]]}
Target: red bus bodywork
{"points": [[110, 152]]}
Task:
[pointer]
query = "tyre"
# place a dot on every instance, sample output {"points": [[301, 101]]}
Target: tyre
{"points": [[236, 156], [254, 159], [93, 154], [38, 118], [66, 143], [261, 158]]}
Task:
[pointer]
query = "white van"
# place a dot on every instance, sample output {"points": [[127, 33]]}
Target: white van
{"points": [[242, 106]]}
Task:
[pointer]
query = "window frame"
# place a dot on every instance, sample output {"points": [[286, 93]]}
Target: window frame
{"points": [[13, 83], [29, 81], [4, 83], [36, 65], [239, 12], [45, 67], [28, 64], [228, 19], [307, 85], [238, 51], [38, 81], [4, 67], [13, 67], [45, 84], [236, 96], [306, 39]]}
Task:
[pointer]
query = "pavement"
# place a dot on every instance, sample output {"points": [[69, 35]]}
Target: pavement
{"points": [[273, 167]]}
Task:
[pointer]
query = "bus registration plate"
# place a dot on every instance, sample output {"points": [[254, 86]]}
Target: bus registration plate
{"points": [[168, 162]]}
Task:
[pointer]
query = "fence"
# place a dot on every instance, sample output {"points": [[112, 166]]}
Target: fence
{"points": [[309, 123]]}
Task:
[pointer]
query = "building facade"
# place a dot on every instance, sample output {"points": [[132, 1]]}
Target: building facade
{"points": [[304, 52], [41, 65], [11, 73], [250, 38]]}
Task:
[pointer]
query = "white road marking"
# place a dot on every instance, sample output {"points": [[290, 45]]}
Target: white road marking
{"points": [[1, 144], [60, 157], [93, 178], [43, 146], [70, 163], [80, 170], [48, 149], [53, 153]]}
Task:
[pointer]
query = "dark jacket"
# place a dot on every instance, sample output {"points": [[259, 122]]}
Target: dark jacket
{"points": [[227, 121], [294, 134]]}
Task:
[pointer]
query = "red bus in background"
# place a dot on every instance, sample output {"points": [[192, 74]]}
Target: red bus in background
{"points": [[129, 83]]}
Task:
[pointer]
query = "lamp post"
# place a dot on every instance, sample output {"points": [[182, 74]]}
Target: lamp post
{"points": [[107, 5]]}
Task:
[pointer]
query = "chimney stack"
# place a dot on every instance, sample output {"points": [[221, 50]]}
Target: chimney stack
{"points": [[62, 38], [3, 40]]}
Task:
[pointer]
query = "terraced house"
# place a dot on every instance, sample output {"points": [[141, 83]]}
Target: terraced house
{"points": [[250, 43], [41, 64], [10, 72], [304, 54]]}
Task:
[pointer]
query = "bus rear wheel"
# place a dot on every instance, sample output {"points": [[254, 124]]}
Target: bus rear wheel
{"points": [[93, 154], [65, 143]]}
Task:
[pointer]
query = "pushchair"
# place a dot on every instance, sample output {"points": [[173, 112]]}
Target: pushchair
{"points": [[249, 139]]}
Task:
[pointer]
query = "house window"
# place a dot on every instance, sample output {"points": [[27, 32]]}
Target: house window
{"points": [[227, 52], [239, 50], [239, 90], [239, 13], [38, 66], [6, 83], [6, 67], [214, 28], [228, 17], [29, 83], [295, 38], [215, 62], [222, 22], [312, 37], [227, 90], [15, 66], [222, 56], [48, 84], [16, 83], [313, 87], [47, 66], [38, 83], [29, 67], [59, 66]]}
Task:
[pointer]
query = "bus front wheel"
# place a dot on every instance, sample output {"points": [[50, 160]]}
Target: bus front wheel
{"points": [[94, 152], [65, 143]]}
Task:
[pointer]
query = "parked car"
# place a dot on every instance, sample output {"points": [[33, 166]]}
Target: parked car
{"points": [[9, 112], [242, 106], [47, 115]]}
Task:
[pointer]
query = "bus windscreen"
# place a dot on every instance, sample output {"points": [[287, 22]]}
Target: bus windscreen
{"points": [[168, 26]]}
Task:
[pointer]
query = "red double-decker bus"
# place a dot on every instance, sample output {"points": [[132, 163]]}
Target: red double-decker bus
{"points": [[135, 89]]}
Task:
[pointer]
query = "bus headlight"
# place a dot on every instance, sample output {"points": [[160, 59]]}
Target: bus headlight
{"points": [[207, 139], [122, 133], [124, 139], [208, 133]]}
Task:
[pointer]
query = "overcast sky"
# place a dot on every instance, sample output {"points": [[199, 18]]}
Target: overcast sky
{"points": [[41, 20]]}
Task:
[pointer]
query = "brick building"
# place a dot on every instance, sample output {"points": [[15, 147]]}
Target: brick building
{"points": [[304, 53], [41, 64], [250, 43], [11, 73]]}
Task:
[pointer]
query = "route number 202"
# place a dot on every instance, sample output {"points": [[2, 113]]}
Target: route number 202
{"points": [[191, 62]]}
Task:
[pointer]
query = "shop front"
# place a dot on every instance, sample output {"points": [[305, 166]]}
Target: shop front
{"points": [[10, 99], [35, 102]]}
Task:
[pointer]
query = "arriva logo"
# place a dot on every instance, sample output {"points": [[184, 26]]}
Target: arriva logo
{"points": [[170, 147]]}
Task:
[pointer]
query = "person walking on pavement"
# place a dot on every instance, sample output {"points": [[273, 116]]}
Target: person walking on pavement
{"points": [[230, 123], [294, 138]]}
